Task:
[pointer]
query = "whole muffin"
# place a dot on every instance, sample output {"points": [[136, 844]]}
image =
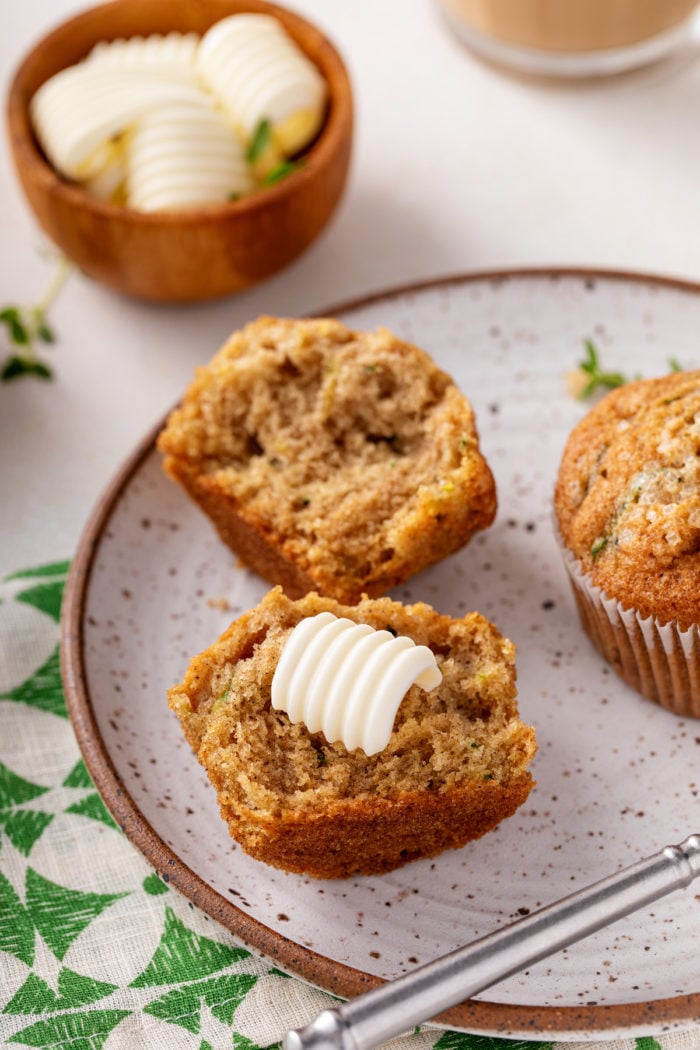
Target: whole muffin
{"points": [[627, 505]]}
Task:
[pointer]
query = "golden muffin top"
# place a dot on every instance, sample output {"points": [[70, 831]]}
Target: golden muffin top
{"points": [[627, 498]]}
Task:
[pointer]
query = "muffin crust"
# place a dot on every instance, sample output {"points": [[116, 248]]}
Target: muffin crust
{"points": [[627, 498]]}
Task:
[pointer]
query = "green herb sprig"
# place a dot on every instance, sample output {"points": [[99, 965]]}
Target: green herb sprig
{"points": [[27, 326], [260, 141], [594, 377], [265, 159], [597, 377]]}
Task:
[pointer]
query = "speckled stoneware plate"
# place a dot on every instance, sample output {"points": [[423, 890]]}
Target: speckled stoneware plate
{"points": [[618, 777]]}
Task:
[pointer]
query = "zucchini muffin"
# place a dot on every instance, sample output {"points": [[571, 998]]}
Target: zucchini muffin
{"points": [[627, 506], [330, 460], [455, 766]]}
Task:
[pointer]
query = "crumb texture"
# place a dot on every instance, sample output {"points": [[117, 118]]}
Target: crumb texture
{"points": [[628, 496], [330, 460], [456, 763]]}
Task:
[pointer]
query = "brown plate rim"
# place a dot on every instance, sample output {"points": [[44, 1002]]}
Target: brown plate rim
{"points": [[497, 1019]]}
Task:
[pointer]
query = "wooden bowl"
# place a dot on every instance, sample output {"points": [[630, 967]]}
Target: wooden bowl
{"points": [[203, 252]]}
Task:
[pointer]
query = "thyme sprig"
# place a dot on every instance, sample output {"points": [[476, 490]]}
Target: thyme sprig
{"points": [[590, 376], [27, 326], [597, 378]]}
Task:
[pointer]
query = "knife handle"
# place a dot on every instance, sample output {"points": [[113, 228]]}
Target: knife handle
{"points": [[399, 1005]]}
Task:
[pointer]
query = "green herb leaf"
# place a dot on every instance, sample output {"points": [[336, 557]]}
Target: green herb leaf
{"points": [[26, 326], [598, 378], [260, 141], [13, 367], [590, 362], [15, 326], [17, 366], [674, 365], [45, 333], [281, 171]]}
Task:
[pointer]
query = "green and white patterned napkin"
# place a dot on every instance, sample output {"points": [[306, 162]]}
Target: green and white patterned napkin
{"points": [[95, 949]]}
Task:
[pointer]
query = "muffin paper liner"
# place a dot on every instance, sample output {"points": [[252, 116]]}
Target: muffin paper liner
{"points": [[659, 660]]}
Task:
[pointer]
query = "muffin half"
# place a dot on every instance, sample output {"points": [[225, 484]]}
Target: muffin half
{"points": [[455, 766], [330, 460]]}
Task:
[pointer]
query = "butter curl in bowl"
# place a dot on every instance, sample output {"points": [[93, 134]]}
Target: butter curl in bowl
{"points": [[218, 151]]}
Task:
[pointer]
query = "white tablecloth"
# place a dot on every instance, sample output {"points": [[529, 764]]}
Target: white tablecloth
{"points": [[456, 167]]}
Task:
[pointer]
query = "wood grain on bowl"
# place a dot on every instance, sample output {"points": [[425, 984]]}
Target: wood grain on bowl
{"points": [[200, 253]]}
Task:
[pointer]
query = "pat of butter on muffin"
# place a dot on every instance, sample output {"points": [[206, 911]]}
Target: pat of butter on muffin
{"points": [[347, 680]]}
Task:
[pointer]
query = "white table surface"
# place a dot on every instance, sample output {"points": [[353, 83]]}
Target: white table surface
{"points": [[456, 167]]}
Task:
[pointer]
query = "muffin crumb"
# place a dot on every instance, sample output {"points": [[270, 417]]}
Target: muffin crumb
{"points": [[328, 459]]}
